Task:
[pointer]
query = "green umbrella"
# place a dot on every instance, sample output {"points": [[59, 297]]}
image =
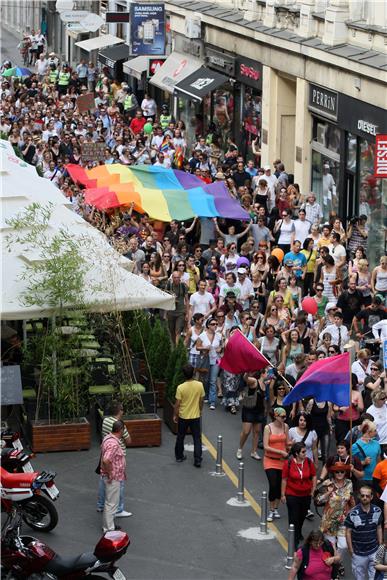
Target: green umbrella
{"points": [[16, 71]]}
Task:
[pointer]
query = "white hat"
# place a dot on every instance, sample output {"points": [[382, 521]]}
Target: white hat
{"points": [[241, 271], [330, 306], [267, 168]]}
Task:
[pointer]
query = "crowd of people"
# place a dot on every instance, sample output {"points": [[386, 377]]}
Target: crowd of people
{"points": [[253, 277]]}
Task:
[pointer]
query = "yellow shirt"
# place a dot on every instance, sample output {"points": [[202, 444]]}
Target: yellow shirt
{"points": [[323, 242], [189, 394], [191, 282]]}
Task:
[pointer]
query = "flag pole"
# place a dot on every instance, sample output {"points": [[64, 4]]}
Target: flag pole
{"points": [[268, 362]]}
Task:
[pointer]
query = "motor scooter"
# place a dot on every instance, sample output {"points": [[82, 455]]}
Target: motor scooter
{"points": [[27, 557]]}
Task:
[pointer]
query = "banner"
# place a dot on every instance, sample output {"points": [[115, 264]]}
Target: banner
{"points": [[93, 151], [147, 29], [380, 169], [86, 103]]}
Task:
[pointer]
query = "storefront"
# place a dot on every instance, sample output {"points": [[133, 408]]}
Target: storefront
{"points": [[219, 105], [343, 145], [113, 59], [248, 73]]}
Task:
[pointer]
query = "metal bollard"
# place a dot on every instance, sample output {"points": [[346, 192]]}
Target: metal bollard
{"points": [[241, 483], [263, 522], [219, 456], [291, 547]]}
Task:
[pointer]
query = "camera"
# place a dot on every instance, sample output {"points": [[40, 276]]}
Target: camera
{"points": [[353, 221], [198, 263]]}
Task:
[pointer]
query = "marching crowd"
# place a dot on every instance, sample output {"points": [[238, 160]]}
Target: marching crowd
{"points": [[298, 286]]}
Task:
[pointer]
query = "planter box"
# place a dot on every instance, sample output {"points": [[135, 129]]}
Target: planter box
{"points": [[145, 430], [160, 392], [168, 416], [70, 436]]}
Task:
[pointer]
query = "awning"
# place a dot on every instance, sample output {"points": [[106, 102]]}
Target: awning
{"points": [[111, 55], [136, 66], [177, 67], [98, 42], [198, 84]]}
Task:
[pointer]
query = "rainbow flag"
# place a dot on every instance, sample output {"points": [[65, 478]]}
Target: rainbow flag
{"points": [[327, 379], [165, 194]]}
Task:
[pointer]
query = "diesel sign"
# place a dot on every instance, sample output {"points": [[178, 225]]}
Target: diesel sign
{"points": [[323, 101]]}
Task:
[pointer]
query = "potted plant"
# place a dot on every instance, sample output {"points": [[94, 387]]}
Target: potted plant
{"points": [[55, 283], [174, 377], [159, 353]]}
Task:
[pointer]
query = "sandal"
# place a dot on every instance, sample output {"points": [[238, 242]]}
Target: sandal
{"points": [[233, 409]]}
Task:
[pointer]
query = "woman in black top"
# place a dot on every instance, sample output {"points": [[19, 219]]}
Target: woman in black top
{"points": [[321, 415], [253, 417]]}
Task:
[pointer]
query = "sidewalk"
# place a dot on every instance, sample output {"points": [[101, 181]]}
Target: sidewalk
{"points": [[9, 51]]}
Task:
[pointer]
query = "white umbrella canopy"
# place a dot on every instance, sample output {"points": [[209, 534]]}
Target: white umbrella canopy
{"points": [[108, 285]]}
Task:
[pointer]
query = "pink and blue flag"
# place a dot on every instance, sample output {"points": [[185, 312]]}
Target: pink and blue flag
{"points": [[327, 379]]}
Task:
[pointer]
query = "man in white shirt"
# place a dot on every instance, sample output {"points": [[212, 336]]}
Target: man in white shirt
{"points": [[379, 330], [41, 67], [337, 250], [53, 174], [247, 290], [313, 209], [338, 331], [271, 182], [163, 161], [231, 285], [302, 226], [201, 302]]}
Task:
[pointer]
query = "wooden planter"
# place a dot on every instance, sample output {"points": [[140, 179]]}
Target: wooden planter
{"points": [[70, 436], [168, 415], [160, 392], [145, 430]]}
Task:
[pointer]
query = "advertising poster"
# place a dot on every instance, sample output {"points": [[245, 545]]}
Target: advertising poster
{"points": [[147, 29], [380, 169]]}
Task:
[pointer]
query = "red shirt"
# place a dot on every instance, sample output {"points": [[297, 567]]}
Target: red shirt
{"points": [[137, 125], [299, 477], [111, 450]]}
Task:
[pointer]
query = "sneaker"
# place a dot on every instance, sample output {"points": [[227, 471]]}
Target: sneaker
{"points": [[270, 516], [239, 454], [100, 510], [212, 407], [309, 515], [205, 401], [123, 514], [197, 464], [255, 456], [181, 459], [276, 515]]}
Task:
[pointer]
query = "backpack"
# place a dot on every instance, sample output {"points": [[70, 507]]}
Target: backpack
{"points": [[327, 547]]}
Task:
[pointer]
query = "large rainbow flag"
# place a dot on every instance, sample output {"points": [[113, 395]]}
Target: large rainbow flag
{"points": [[165, 194]]}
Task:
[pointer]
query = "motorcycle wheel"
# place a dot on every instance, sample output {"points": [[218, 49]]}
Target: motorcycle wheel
{"points": [[39, 513]]}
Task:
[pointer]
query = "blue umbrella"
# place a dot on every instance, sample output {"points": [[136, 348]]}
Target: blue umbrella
{"points": [[17, 71]]}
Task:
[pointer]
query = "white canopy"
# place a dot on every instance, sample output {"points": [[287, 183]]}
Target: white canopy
{"points": [[108, 283], [98, 42]]}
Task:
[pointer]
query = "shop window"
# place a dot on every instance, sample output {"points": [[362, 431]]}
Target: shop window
{"points": [[223, 112], [325, 183], [351, 152], [372, 202], [251, 119], [327, 135]]}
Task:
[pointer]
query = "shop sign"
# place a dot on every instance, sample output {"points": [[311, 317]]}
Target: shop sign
{"points": [[249, 72], [361, 118], [153, 65], [107, 61], [323, 101], [117, 17], [380, 167], [220, 61], [147, 29]]}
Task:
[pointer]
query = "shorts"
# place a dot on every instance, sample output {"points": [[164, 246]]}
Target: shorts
{"points": [[252, 416]]}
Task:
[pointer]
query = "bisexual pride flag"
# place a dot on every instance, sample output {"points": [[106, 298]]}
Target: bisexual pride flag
{"points": [[165, 194], [327, 379]]}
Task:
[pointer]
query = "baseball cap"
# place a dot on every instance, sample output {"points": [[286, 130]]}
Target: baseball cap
{"points": [[267, 167], [241, 271]]}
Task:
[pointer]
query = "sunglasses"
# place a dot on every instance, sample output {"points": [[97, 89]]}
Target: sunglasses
{"points": [[365, 495], [374, 369], [331, 351], [212, 324], [274, 309], [340, 471], [220, 316]]}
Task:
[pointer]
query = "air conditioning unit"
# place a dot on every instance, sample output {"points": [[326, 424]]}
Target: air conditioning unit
{"points": [[193, 27]]}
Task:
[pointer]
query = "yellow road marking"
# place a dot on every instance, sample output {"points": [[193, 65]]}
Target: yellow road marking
{"points": [[234, 479]]}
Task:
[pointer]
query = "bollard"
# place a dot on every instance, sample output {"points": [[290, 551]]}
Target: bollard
{"points": [[241, 483], [219, 456], [291, 547], [263, 522]]}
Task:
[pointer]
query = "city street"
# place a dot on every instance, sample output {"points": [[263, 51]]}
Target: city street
{"points": [[182, 526]]}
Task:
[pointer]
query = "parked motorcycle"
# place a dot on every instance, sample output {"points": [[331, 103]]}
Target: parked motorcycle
{"points": [[23, 556], [26, 489]]}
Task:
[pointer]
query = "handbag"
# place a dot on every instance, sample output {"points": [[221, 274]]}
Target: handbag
{"points": [[277, 233], [98, 468], [203, 363], [249, 401]]}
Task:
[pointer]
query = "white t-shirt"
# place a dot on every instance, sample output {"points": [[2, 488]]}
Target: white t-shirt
{"points": [[295, 437], [302, 230], [201, 302], [338, 252], [380, 419], [286, 230]]}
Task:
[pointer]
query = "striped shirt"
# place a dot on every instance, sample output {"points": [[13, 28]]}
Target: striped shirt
{"points": [[107, 426], [111, 451], [364, 529]]}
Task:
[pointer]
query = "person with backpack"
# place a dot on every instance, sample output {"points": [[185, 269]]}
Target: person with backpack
{"points": [[297, 488], [316, 559]]}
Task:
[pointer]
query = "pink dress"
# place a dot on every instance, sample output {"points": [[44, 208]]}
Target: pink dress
{"points": [[317, 569]]}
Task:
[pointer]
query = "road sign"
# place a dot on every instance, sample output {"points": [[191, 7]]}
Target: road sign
{"points": [[385, 354]]}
